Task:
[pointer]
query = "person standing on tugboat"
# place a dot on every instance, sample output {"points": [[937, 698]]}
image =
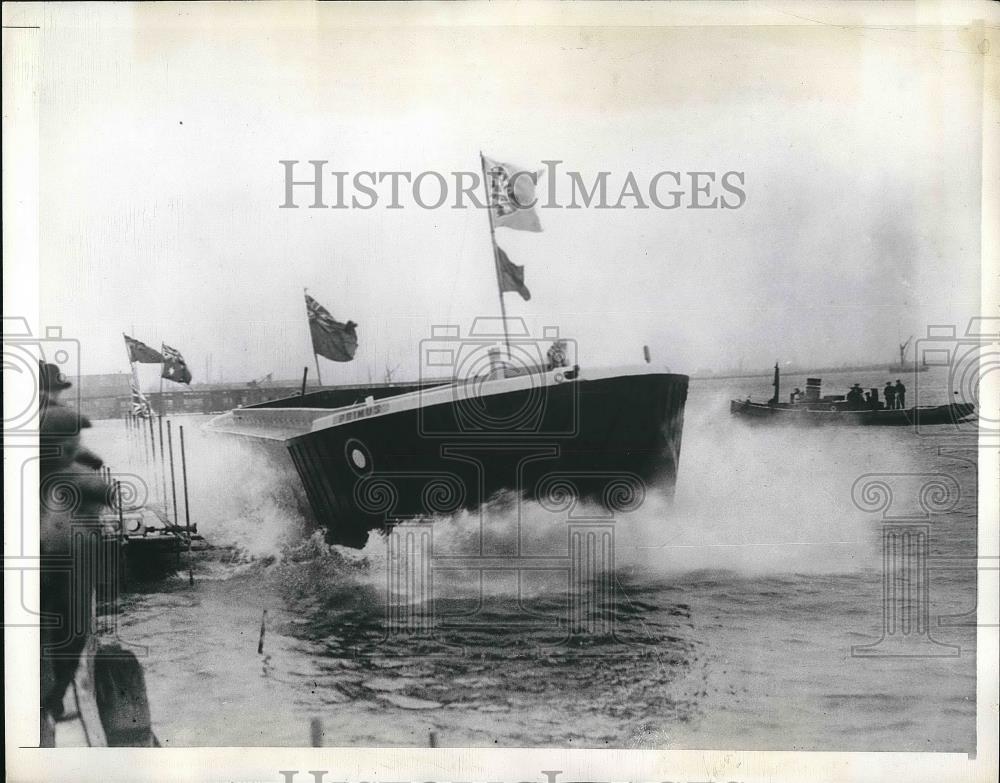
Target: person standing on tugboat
{"points": [[890, 396], [900, 394]]}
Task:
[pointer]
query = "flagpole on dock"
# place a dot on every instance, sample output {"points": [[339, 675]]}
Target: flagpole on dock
{"points": [[163, 471], [152, 447], [496, 256]]}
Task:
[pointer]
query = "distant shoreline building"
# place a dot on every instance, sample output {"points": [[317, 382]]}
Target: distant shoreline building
{"points": [[104, 396]]}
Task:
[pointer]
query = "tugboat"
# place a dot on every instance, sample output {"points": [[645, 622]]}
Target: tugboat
{"points": [[814, 408]]}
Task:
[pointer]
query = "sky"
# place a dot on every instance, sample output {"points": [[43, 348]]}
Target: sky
{"points": [[162, 129]]}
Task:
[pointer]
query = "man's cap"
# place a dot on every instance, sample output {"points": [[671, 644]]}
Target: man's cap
{"points": [[50, 378]]}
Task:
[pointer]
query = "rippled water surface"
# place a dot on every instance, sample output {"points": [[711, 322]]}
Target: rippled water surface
{"points": [[733, 611]]}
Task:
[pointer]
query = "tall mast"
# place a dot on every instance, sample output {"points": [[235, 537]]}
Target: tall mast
{"points": [[496, 253]]}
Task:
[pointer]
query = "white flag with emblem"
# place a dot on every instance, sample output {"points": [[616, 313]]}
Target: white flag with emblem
{"points": [[512, 195]]}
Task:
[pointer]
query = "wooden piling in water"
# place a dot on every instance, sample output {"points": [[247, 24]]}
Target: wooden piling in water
{"points": [[316, 733], [260, 641]]}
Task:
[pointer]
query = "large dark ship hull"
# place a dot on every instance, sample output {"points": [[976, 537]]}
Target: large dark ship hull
{"points": [[553, 437]]}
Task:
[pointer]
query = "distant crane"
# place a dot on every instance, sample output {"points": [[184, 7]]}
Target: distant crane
{"points": [[389, 372], [903, 366], [902, 350], [265, 379]]}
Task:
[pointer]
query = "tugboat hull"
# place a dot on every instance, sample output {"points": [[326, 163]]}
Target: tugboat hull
{"points": [[813, 416]]}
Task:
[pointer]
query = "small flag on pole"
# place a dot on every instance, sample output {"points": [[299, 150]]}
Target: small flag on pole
{"points": [[512, 276], [512, 196], [140, 405], [330, 338], [174, 367], [140, 352]]}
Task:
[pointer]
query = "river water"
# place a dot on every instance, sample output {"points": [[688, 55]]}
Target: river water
{"points": [[743, 615]]}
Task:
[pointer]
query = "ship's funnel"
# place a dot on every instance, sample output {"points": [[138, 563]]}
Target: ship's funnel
{"points": [[813, 388]]}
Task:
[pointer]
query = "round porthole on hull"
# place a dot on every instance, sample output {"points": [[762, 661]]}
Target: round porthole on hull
{"points": [[358, 456]]}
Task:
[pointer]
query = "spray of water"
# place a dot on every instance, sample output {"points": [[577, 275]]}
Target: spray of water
{"points": [[239, 495], [752, 500], [248, 497], [762, 499], [748, 499]]}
